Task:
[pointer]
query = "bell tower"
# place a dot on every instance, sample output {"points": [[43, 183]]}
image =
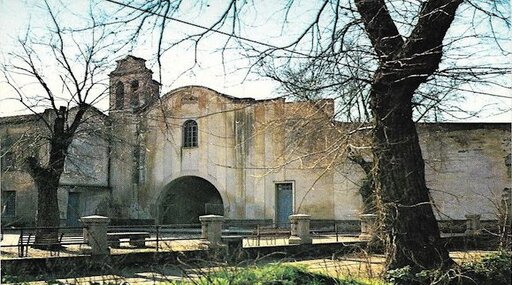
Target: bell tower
{"points": [[131, 85]]}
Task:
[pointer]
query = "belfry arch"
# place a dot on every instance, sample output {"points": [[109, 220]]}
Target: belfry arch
{"points": [[186, 198]]}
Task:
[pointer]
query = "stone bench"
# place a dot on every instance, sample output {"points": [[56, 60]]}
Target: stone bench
{"points": [[137, 239]]}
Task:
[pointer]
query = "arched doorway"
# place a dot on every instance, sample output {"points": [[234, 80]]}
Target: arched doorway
{"points": [[188, 197]]}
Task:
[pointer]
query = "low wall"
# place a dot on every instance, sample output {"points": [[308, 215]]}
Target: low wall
{"points": [[247, 223], [459, 226], [131, 222]]}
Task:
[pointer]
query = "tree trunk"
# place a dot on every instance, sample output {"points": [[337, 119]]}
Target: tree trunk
{"points": [[47, 178], [47, 217], [410, 227]]}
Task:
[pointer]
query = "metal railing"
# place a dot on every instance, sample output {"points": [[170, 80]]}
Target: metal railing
{"points": [[161, 236], [173, 237], [46, 240]]}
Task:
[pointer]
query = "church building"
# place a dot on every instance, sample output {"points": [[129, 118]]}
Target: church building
{"points": [[193, 151]]}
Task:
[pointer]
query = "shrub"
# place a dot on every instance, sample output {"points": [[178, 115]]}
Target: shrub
{"points": [[492, 270], [275, 274]]}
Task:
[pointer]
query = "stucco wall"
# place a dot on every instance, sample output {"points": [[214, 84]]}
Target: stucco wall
{"points": [[246, 147], [86, 168], [241, 151], [465, 167]]}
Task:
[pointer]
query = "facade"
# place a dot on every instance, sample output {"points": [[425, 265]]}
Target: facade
{"points": [[84, 185], [195, 151]]}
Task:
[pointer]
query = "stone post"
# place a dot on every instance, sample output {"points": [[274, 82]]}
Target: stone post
{"points": [[211, 229], [367, 226], [300, 229], [95, 233], [473, 226]]}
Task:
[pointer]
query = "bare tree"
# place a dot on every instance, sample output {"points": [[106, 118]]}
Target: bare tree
{"points": [[395, 58], [59, 72]]}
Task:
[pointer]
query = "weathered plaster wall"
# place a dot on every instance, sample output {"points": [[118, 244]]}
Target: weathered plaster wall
{"points": [[465, 167], [347, 200], [14, 133], [86, 169], [245, 147], [241, 151]]}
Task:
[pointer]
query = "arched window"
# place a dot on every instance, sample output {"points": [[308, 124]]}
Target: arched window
{"points": [[134, 99], [119, 95], [134, 84], [190, 134]]}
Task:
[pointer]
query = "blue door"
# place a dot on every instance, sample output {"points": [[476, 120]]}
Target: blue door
{"points": [[73, 212], [284, 204]]}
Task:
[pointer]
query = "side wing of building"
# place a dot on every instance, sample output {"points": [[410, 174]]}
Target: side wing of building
{"points": [[84, 184]]}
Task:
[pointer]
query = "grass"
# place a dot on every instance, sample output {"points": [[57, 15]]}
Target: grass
{"points": [[274, 274], [351, 269]]}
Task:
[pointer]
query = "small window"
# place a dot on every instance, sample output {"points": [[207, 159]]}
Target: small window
{"points": [[190, 134], [508, 164], [9, 161], [136, 165], [7, 153], [9, 203], [134, 98], [134, 84], [119, 95]]}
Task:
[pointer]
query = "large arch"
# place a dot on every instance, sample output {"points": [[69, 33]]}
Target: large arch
{"points": [[188, 197]]}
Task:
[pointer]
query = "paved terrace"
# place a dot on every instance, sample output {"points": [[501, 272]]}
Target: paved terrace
{"points": [[9, 249]]}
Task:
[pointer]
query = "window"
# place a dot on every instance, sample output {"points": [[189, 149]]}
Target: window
{"points": [[508, 164], [134, 98], [190, 134], [8, 161], [7, 153], [134, 84], [8, 203], [119, 95]]}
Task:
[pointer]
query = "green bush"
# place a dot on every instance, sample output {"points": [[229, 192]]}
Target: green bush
{"points": [[492, 270], [275, 274]]}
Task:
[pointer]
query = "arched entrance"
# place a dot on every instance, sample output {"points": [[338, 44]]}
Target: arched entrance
{"points": [[188, 197]]}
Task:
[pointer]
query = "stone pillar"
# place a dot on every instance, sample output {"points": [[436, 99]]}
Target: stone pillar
{"points": [[300, 229], [367, 226], [95, 233], [211, 229], [473, 226], [234, 245]]}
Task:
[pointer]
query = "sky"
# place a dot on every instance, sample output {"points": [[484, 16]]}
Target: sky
{"points": [[229, 77], [16, 16]]}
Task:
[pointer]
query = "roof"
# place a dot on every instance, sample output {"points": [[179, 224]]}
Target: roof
{"points": [[124, 68], [132, 57], [460, 126], [19, 119], [229, 97]]}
